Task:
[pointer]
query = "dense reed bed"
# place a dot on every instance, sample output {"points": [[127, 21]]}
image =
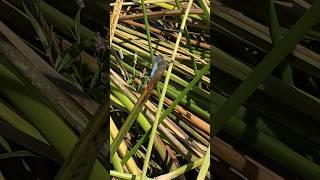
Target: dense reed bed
{"points": [[55, 59]]}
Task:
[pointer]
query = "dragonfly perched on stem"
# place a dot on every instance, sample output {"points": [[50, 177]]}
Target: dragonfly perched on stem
{"points": [[157, 60], [160, 67], [143, 80]]}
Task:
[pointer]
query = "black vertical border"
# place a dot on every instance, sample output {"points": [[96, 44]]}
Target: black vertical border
{"points": [[107, 20]]}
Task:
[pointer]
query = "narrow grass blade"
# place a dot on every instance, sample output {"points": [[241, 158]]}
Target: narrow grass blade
{"points": [[205, 166], [145, 18], [181, 170], [274, 29]]}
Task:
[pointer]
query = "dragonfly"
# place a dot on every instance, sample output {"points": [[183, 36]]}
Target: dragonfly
{"points": [[157, 60], [159, 68], [156, 64]]}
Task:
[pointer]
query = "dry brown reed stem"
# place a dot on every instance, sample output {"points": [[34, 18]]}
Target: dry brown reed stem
{"points": [[159, 14], [157, 31], [114, 18], [123, 150], [190, 117]]}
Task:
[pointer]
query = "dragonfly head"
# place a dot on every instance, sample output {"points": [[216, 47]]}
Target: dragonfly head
{"points": [[158, 59]]}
